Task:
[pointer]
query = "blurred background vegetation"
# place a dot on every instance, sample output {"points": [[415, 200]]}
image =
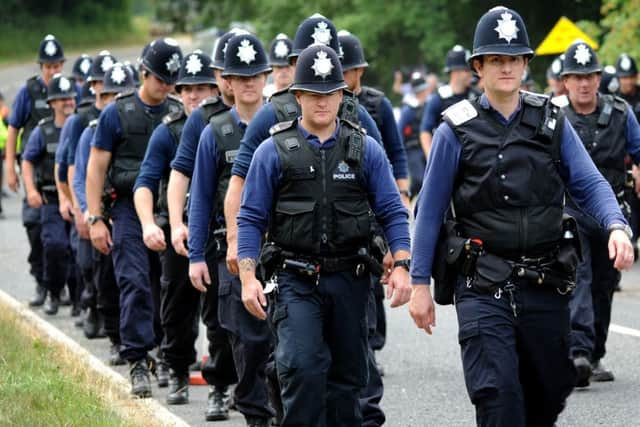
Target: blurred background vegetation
{"points": [[397, 35]]}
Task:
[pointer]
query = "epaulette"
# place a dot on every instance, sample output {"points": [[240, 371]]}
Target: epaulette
{"points": [[280, 92], [282, 126], [445, 91], [533, 99], [560, 101], [173, 116], [460, 112], [620, 104], [45, 120], [373, 91], [93, 123], [126, 94], [175, 98], [34, 77], [211, 100]]}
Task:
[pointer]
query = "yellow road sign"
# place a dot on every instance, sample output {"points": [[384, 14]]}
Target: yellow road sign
{"points": [[561, 36]]}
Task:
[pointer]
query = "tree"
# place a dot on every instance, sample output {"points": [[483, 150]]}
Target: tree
{"points": [[621, 23]]}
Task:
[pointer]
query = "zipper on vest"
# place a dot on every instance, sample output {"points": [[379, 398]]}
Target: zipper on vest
{"points": [[323, 157]]}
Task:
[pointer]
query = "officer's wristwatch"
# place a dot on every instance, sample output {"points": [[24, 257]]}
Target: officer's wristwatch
{"points": [[404, 263], [623, 227], [95, 218]]}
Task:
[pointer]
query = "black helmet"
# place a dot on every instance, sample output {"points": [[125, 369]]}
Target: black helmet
{"points": [[555, 69], [245, 56], [501, 31], [134, 72], [81, 67], [318, 70], [162, 59], [60, 87], [118, 78], [457, 59], [195, 70], [609, 82], [352, 52], [220, 47], [580, 58], [279, 50], [87, 95], [626, 66], [418, 82], [315, 29], [101, 63], [50, 50]]}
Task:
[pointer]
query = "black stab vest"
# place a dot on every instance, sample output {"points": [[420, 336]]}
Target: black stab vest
{"points": [[508, 192], [137, 126], [603, 135], [371, 99], [45, 178], [39, 107], [174, 122], [321, 207]]}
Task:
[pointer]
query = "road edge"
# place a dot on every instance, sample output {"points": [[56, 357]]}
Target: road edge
{"points": [[130, 409]]}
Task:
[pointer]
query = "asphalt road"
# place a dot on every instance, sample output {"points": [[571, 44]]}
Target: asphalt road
{"points": [[423, 383]]}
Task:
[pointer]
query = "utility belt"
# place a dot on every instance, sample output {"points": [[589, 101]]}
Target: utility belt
{"points": [[109, 197], [486, 272], [219, 237], [49, 194], [274, 259]]}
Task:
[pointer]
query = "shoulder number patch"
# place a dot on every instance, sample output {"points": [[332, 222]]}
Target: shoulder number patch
{"points": [[460, 112]]}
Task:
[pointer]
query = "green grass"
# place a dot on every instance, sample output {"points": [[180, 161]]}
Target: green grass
{"points": [[21, 44], [38, 388]]}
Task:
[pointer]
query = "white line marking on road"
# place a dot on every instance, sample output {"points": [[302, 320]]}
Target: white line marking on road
{"points": [[624, 330]]}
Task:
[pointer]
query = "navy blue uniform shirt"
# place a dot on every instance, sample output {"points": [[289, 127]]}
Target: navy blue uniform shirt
{"points": [[265, 174], [21, 108], [433, 111], [82, 159], [258, 131], [34, 149], [204, 183], [392, 141], [585, 184]]}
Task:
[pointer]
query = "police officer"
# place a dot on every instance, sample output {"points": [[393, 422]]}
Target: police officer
{"points": [[609, 81], [627, 71], [282, 73], [409, 127], [81, 68], [245, 68], [29, 107], [38, 162], [458, 88], [118, 148], [512, 314], [219, 50], [555, 87], [609, 131], [179, 300], [377, 105], [117, 79], [319, 219], [79, 237]]}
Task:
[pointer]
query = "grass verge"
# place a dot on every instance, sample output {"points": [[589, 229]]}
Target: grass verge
{"points": [[41, 385], [21, 44]]}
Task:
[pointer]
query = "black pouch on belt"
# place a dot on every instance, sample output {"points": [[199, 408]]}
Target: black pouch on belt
{"points": [[491, 272], [445, 263]]}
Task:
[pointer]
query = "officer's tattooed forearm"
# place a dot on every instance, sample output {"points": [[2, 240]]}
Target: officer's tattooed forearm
{"points": [[247, 265]]}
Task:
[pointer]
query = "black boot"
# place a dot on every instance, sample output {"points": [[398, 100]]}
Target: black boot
{"points": [[114, 355], [178, 388], [217, 407], [162, 370], [52, 305], [140, 383], [583, 369], [92, 326], [39, 298]]}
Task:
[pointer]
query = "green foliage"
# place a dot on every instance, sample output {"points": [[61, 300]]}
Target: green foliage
{"points": [[78, 24], [35, 391], [622, 25]]}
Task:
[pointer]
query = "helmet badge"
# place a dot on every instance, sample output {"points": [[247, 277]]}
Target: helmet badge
{"points": [[507, 28]]}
